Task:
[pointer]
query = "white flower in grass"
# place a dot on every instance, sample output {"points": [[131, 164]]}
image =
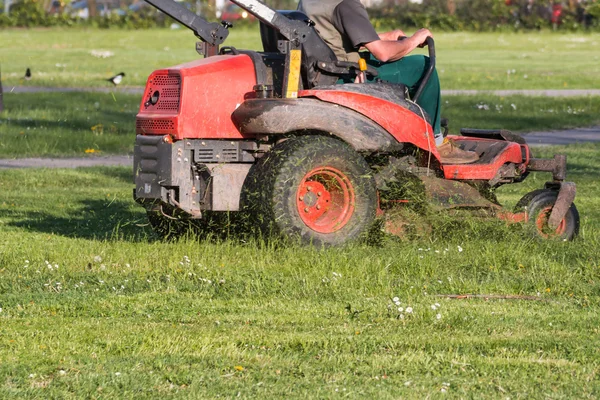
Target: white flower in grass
{"points": [[409, 310], [433, 307], [102, 53], [398, 303], [396, 299], [0, 309], [400, 309], [438, 316], [62, 372], [514, 107], [437, 304], [460, 249], [401, 316], [97, 259], [117, 373]]}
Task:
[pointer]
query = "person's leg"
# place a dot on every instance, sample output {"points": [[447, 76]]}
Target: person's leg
{"points": [[409, 70]]}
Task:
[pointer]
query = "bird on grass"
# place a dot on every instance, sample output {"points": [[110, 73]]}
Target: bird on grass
{"points": [[27, 74], [115, 80]]}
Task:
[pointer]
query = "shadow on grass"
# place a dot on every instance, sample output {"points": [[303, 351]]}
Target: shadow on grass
{"points": [[123, 174], [95, 220]]}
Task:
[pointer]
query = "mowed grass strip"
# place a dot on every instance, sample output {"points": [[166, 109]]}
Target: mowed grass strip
{"points": [[67, 124], [93, 306], [80, 124], [485, 61]]}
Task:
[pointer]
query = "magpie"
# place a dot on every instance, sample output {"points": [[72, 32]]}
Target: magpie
{"points": [[27, 74], [115, 80]]}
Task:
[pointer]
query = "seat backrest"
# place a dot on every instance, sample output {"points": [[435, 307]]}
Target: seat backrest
{"points": [[314, 49]]}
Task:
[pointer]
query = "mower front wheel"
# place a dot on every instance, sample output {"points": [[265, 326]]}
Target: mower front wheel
{"points": [[314, 188], [538, 208]]}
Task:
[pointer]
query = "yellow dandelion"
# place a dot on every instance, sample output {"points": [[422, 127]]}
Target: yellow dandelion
{"points": [[90, 151], [239, 368]]}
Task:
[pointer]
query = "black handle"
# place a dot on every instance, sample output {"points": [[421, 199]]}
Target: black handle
{"points": [[431, 48]]}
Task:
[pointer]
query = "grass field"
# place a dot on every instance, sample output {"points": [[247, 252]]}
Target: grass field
{"points": [[92, 306], [76, 124], [63, 57]]}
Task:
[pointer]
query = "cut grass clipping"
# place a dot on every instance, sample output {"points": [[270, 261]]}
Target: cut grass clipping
{"points": [[91, 305], [79, 124]]}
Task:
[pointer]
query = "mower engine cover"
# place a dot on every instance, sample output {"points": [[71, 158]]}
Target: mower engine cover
{"points": [[196, 99]]}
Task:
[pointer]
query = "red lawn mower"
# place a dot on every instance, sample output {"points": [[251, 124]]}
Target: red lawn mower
{"points": [[272, 134]]}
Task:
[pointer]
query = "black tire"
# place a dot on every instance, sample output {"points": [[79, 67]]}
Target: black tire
{"points": [[538, 209], [313, 188]]}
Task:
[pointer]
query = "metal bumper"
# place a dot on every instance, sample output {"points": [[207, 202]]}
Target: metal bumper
{"points": [[557, 165], [190, 175]]}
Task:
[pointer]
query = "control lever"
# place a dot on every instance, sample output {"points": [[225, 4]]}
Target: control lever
{"points": [[362, 65]]}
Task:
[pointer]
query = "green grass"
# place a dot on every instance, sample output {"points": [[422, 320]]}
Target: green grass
{"points": [[61, 57], [68, 124], [126, 316]]}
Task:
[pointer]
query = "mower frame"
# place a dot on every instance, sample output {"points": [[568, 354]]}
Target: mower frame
{"points": [[188, 160]]}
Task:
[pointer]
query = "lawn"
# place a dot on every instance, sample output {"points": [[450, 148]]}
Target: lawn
{"points": [[92, 306], [76, 124], [74, 57]]}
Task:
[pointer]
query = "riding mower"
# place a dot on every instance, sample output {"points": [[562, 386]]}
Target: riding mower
{"points": [[274, 135]]}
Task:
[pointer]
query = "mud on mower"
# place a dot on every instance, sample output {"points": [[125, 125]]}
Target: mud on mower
{"points": [[272, 134]]}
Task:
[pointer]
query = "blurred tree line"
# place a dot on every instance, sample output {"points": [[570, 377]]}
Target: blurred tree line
{"points": [[451, 15], [486, 15]]}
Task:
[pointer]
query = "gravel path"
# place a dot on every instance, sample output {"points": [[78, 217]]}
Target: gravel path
{"points": [[140, 90], [95, 161], [580, 135], [570, 136]]}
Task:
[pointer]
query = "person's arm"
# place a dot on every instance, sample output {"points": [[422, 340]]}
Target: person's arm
{"points": [[396, 34], [392, 50]]}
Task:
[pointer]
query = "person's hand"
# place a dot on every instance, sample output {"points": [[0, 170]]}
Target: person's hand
{"points": [[398, 34], [421, 36]]}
